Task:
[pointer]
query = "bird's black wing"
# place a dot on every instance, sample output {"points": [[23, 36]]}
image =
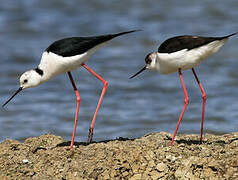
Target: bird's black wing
{"points": [[187, 42], [78, 45]]}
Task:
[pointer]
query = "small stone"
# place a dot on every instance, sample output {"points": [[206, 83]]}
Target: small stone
{"points": [[136, 177], [180, 174], [170, 157], [113, 173], [25, 161], [135, 168], [105, 175], [212, 164], [124, 174], [155, 175], [148, 170], [161, 167], [151, 164]]}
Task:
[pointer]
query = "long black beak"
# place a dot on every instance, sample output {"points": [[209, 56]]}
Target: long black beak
{"points": [[19, 90], [144, 68]]}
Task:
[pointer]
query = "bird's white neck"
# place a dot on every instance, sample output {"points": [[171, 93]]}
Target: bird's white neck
{"points": [[51, 66]]}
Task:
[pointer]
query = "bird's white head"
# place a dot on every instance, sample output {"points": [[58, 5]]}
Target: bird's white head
{"points": [[30, 79], [152, 63]]}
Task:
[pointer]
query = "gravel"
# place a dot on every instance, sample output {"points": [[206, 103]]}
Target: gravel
{"points": [[148, 157]]}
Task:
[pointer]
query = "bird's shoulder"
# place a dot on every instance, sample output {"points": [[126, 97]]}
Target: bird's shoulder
{"points": [[185, 42]]}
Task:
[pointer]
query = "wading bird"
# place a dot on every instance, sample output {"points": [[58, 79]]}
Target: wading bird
{"points": [[63, 56], [182, 53]]}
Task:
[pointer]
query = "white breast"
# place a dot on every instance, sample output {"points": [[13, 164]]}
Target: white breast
{"points": [[187, 59]]}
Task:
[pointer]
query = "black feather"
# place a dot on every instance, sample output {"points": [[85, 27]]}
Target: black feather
{"points": [[78, 45], [187, 42], [39, 71]]}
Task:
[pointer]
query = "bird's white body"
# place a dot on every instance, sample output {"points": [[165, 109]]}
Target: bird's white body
{"points": [[184, 59], [53, 64]]}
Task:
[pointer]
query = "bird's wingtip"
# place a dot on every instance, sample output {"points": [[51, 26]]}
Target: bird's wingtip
{"points": [[131, 31], [231, 35], [136, 30], [126, 32]]}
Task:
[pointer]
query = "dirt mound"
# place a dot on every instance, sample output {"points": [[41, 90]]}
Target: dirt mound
{"points": [[149, 157]]}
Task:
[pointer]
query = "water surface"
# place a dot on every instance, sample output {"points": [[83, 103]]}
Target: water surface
{"points": [[149, 103]]}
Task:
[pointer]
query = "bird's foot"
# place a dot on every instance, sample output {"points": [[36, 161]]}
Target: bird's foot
{"points": [[70, 147], [90, 135], [200, 140]]}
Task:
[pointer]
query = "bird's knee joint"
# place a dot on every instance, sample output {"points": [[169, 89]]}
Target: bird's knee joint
{"points": [[186, 101], [91, 130], [105, 84], [204, 97], [78, 98]]}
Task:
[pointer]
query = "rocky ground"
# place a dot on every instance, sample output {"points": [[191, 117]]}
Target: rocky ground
{"points": [[149, 157]]}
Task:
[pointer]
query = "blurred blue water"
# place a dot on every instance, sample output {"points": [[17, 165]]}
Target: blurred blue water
{"points": [[131, 108]]}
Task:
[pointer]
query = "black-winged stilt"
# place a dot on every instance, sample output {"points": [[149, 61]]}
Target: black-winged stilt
{"points": [[63, 56], [182, 53]]}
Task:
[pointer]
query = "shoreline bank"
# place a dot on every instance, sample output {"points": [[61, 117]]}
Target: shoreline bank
{"points": [[148, 157]]}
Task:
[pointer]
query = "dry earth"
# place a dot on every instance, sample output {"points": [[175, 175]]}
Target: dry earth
{"points": [[149, 157]]}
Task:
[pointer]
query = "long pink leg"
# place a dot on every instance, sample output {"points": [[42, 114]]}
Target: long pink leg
{"points": [[204, 101], [77, 110], [186, 101], [105, 83]]}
